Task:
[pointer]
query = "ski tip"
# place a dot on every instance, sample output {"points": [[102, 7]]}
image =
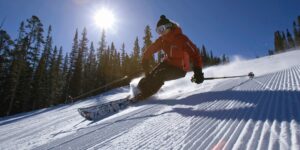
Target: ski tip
{"points": [[84, 114]]}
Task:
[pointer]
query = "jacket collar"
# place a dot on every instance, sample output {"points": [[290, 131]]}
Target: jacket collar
{"points": [[172, 34]]}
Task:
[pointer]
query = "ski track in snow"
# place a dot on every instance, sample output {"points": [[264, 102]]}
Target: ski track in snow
{"points": [[262, 113]]}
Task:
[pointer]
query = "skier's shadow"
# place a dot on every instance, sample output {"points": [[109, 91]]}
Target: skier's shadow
{"points": [[255, 105]]}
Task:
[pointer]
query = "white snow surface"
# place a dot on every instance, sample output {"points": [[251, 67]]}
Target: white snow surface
{"points": [[262, 113]]}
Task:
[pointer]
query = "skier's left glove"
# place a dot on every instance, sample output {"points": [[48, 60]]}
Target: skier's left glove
{"points": [[198, 76]]}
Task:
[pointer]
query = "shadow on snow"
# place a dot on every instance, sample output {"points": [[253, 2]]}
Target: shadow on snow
{"points": [[264, 105]]}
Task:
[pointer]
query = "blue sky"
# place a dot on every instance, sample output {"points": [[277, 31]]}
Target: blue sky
{"points": [[233, 27]]}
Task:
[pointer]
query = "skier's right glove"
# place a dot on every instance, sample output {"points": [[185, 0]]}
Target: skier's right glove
{"points": [[146, 67], [198, 76]]}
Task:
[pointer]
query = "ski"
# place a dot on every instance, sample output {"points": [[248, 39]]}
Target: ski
{"points": [[104, 110]]}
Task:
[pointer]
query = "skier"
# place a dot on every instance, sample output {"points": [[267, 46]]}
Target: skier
{"points": [[179, 51]]}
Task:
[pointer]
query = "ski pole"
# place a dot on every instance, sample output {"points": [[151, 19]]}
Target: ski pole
{"points": [[127, 77], [101, 87], [250, 75]]}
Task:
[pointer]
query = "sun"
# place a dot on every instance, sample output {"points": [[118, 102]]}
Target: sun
{"points": [[104, 18]]}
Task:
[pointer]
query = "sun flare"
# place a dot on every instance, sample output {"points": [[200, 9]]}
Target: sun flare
{"points": [[104, 18]]}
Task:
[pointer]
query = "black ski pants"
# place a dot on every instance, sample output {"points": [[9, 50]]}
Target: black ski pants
{"points": [[150, 84]]}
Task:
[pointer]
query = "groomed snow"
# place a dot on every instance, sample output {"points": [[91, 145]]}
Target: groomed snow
{"points": [[263, 113]]}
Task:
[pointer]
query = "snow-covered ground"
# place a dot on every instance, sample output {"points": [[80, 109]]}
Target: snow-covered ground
{"points": [[263, 113]]}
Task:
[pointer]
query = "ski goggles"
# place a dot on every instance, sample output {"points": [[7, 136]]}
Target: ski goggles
{"points": [[161, 29]]}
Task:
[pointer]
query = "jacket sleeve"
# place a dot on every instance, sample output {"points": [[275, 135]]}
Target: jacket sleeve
{"points": [[153, 48], [193, 52]]}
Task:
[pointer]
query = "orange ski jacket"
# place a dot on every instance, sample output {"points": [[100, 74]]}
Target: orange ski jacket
{"points": [[179, 50]]}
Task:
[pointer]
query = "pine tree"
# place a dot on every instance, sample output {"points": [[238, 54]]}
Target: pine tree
{"points": [[296, 34], [48, 47], [83, 50], [36, 39], [147, 38], [147, 42], [12, 82], [113, 72], [116, 62], [90, 69], [76, 80], [224, 59], [20, 101], [5, 63], [136, 58], [291, 43], [205, 58], [278, 42], [64, 96], [83, 46], [74, 53], [127, 64], [211, 58], [284, 41], [66, 65], [39, 91], [56, 77], [52, 78], [123, 61], [5, 58], [298, 19], [106, 65], [41, 81], [73, 58], [101, 60], [118, 66], [60, 77]]}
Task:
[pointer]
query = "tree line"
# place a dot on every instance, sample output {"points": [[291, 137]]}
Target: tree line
{"points": [[35, 73], [285, 40]]}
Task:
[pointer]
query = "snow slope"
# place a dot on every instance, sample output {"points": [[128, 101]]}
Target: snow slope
{"points": [[263, 113]]}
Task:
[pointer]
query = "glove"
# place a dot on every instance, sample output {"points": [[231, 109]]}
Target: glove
{"points": [[146, 67], [198, 76]]}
